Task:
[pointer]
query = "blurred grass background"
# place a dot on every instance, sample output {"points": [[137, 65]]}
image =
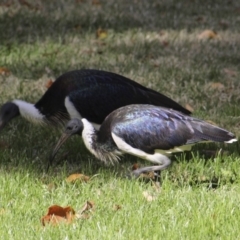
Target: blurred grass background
{"points": [[188, 50]]}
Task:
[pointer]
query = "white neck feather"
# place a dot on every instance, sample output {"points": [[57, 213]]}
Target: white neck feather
{"points": [[89, 135], [29, 111], [73, 112]]}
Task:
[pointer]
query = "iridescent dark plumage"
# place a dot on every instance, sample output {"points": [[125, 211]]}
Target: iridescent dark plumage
{"points": [[90, 94], [147, 131], [96, 93]]}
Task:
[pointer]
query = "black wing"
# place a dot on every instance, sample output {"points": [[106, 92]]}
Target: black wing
{"points": [[149, 128], [97, 93], [102, 92]]}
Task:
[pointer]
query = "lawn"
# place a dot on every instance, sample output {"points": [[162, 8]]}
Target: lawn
{"points": [[188, 50]]}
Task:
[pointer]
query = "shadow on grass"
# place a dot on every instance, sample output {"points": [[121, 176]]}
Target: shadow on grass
{"points": [[28, 153]]}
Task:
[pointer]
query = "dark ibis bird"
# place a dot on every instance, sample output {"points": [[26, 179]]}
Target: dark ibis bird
{"points": [[86, 93], [146, 131]]}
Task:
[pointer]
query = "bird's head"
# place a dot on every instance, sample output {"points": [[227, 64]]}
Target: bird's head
{"points": [[74, 126], [8, 111]]}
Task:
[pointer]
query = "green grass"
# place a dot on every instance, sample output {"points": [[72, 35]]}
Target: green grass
{"points": [[155, 43]]}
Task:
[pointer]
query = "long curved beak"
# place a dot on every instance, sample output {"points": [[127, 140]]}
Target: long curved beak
{"points": [[60, 142]]}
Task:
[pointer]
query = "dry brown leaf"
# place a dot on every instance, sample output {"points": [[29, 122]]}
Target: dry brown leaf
{"points": [[49, 83], [101, 33], [162, 33], [189, 107], [207, 34], [230, 72], [135, 166], [4, 71], [2, 211], [4, 145], [87, 206], [217, 86], [165, 43], [148, 196], [77, 27], [117, 207], [77, 176], [57, 214], [25, 3], [7, 3], [51, 186], [96, 3], [83, 213], [29, 5], [147, 176], [200, 19]]}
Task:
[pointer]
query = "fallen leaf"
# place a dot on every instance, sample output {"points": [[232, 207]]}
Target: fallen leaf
{"points": [[230, 72], [77, 176], [4, 71], [101, 33], [7, 3], [162, 33], [117, 207], [57, 214], [189, 107], [165, 43], [53, 219], [25, 3], [148, 196], [217, 86], [2, 211], [135, 166], [147, 176], [51, 186], [200, 19], [4, 145], [82, 214], [77, 27], [87, 206], [49, 83], [207, 34], [29, 5], [96, 3]]}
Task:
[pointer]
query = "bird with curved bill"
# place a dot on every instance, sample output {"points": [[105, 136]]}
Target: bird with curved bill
{"points": [[86, 93], [146, 131]]}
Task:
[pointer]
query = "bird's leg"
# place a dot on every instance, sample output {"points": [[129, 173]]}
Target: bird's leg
{"points": [[162, 160]]}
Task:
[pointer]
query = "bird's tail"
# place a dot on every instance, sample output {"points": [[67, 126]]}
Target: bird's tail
{"points": [[204, 131]]}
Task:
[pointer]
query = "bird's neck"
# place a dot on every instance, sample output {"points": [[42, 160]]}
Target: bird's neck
{"points": [[101, 151], [29, 111], [74, 113]]}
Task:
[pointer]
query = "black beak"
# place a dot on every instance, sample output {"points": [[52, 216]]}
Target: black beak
{"points": [[60, 142]]}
